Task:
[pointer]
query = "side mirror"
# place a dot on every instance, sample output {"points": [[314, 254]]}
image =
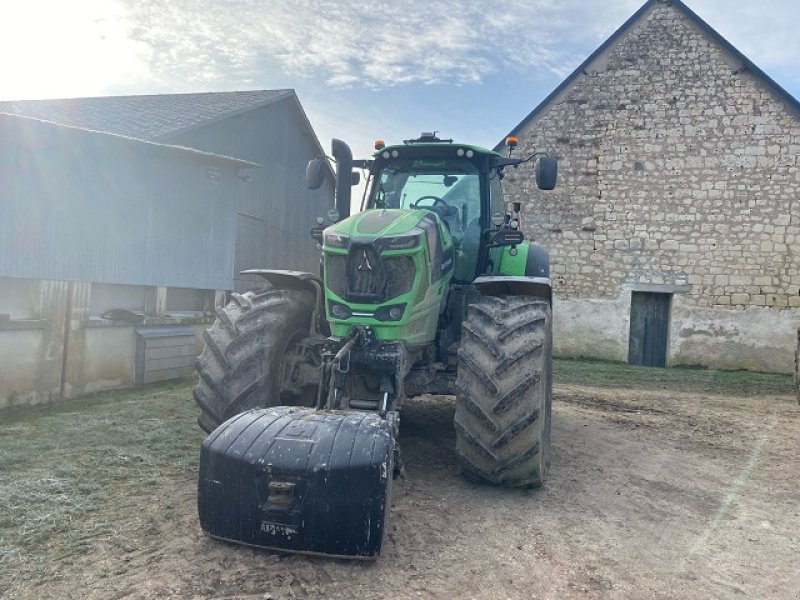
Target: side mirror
{"points": [[355, 178], [546, 172], [315, 172]]}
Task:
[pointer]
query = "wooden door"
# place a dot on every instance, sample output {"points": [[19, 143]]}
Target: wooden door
{"points": [[649, 329]]}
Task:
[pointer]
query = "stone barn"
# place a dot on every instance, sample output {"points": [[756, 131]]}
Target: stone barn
{"points": [[674, 229]]}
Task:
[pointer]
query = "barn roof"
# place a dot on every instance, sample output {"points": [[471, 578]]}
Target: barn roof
{"points": [[746, 63], [21, 123], [148, 117]]}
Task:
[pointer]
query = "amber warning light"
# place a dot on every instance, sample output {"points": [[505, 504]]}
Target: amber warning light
{"points": [[380, 144], [511, 142]]}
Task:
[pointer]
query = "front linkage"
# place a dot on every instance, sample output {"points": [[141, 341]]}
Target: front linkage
{"points": [[385, 361]]}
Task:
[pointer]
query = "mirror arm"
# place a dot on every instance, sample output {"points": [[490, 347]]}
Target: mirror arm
{"points": [[514, 162], [532, 156]]}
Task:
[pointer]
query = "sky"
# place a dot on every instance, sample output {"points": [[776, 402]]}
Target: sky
{"points": [[362, 69]]}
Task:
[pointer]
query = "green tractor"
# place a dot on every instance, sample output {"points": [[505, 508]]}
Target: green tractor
{"points": [[429, 289]]}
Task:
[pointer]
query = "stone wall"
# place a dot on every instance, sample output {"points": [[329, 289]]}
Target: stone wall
{"points": [[678, 169], [797, 367]]}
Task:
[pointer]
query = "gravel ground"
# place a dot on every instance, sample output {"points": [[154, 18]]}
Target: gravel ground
{"points": [[651, 494]]}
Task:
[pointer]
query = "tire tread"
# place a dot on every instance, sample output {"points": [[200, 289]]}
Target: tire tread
{"points": [[503, 391]]}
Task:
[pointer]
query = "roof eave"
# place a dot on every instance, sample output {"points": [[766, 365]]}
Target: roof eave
{"points": [[221, 117], [313, 133], [236, 162]]}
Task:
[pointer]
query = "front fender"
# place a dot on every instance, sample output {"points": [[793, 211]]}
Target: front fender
{"points": [[510, 285], [298, 280], [287, 280]]}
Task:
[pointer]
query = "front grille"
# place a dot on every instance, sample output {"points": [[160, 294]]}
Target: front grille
{"points": [[400, 273], [335, 273], [364, 276]]}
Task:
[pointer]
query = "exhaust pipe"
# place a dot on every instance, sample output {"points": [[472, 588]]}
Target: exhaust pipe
{"points": [[344, 176]]}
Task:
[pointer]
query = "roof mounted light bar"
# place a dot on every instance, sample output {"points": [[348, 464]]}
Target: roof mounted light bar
{"points": [[427, 137]]}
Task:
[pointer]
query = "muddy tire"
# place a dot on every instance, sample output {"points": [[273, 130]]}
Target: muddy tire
{"points": [[242, 363], [504, 391]]}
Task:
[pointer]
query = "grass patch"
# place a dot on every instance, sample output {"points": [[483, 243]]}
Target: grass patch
{"points": [[732, 383], [73, 474]]}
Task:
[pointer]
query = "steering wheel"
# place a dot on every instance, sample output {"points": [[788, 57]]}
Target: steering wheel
{"points": [[436, 200]]}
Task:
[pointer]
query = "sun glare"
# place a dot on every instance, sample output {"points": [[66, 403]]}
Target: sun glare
{"points": [[60, 49]]}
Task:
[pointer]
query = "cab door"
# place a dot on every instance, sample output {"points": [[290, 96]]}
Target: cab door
{"points": [[495, 205]]}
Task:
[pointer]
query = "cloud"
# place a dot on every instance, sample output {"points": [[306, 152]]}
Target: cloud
{"points": [[359, 43], [376, 45], [130, 46]]}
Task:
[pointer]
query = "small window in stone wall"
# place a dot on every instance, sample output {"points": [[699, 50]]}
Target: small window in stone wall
{"points": [[19, 298], [105, 296], [189, 300]]}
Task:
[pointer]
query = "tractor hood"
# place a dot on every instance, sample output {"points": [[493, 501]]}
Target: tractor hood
{"points": [[387, 269], [379, 222]]}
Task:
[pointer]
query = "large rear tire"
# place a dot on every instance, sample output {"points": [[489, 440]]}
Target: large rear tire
{"points": [[504, 391], [242, 364]]}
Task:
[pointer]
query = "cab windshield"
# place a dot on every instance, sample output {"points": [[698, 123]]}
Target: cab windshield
{"points": [[448, 187], [451, 188]]}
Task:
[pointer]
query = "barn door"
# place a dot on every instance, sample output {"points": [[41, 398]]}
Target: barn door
{"points": [[649, 329]]}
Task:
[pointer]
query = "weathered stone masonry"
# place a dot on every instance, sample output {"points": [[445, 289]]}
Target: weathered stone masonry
{"points": [[678, 173]]}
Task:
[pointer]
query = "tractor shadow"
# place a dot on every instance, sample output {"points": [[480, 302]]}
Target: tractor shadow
{"points": [[427, 437]]}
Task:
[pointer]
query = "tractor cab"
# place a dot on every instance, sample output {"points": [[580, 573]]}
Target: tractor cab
{"points": [[437, 179]]}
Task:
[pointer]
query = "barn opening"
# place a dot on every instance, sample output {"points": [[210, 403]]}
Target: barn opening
{"points": [[649, 329]]}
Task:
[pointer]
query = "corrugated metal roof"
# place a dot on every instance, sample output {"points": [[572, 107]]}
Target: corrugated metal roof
{"points": [[150, 117], [7, 120]]}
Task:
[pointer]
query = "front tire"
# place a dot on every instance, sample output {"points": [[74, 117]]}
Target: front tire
{"points": [[504, 391], [242, 364]]}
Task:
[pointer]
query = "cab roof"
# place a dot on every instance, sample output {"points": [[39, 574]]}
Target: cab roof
{"points": [[409, 144]]}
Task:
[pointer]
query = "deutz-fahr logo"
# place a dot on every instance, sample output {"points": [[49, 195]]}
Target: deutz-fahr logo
{"points": [[364, 265]]}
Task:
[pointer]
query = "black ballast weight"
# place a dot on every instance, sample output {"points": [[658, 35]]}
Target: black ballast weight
{"points": [[299, 480]]}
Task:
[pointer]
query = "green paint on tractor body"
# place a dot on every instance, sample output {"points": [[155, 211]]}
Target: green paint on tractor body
{"points": [[513, 264], [408, 309]]}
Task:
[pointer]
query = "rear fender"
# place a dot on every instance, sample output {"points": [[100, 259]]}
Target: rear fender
{"points": [[529, 259], [508, 285], [298, 280]]}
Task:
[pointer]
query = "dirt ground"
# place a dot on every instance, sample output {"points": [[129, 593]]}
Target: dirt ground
{"points": [[651, 494]]}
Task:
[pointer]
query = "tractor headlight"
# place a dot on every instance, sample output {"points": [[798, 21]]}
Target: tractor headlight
{"points": [[339, 311], [334, 239], [390, 313], [402, 242]]}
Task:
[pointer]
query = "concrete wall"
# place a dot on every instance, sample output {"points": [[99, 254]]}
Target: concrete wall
{"points": [[678, 173], [65, 349], [22, 354], [759, 339]]}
